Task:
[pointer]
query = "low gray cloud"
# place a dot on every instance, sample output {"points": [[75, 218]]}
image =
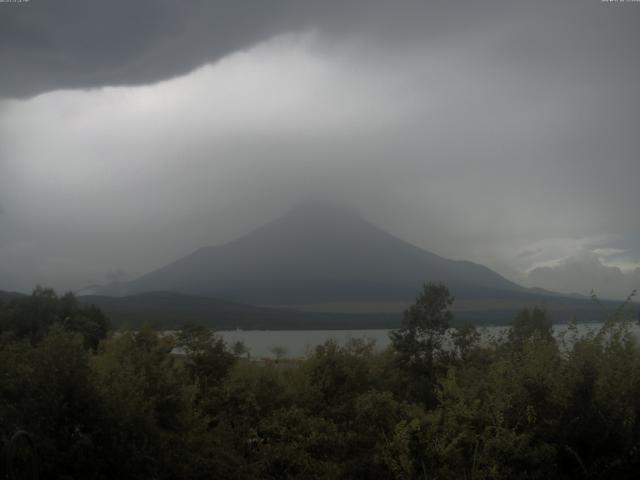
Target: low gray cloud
{"points": [[584, 273], [476, 130]]}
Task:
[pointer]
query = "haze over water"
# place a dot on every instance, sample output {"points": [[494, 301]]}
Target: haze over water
{"points": [[297, 343]]}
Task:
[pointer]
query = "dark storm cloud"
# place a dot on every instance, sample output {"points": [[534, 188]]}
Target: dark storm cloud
{"points": [[47, 45]]}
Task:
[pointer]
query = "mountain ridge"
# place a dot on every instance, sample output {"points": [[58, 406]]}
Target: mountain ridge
{"points": [[313, 254]]}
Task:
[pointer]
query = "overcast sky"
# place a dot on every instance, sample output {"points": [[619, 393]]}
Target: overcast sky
{"points": [[506, 133]]}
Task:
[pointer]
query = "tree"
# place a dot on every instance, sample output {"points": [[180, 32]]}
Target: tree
{"points": [[465, 338], [530, 325], [279, 352], [240, 349], [46, 389], [418, 342], [147, 405], [338, 374], [33, 316], [207, 358]]}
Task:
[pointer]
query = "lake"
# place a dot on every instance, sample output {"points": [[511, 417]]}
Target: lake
{"points": [[296, 343]]}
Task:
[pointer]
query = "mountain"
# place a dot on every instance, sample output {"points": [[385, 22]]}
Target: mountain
{"points": [[316, 254]]}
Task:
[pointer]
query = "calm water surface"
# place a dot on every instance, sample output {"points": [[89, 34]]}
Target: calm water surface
{"points": [[296, 343]]}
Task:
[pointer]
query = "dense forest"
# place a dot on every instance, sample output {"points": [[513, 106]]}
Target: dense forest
{"points": [[439, 403]]}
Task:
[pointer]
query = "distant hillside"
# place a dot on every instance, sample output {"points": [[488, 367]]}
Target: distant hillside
{"points": [[167, 310], [316, 254], [170, 310], [5, 296]]}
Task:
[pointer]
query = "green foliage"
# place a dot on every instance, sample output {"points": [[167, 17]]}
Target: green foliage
{"points": [[294, 444], [47, 390], [207, 359], [418, 343], [439, 403], [337, 374], [147, 402], [32, 317], [465, 340], [530, 325]]}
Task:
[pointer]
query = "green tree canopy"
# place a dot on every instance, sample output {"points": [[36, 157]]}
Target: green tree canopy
{"points": [[419, 341]]}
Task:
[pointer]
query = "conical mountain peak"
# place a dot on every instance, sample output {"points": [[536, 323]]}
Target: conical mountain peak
{"points": [[317, 252], [325, 215], [319, 211], [314, 224]]}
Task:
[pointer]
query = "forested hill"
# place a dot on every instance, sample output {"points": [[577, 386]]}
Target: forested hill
{"points": [[167, 310], [6, 296]]}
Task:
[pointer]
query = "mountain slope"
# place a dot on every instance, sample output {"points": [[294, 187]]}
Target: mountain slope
{"points": [[315, 254]]}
